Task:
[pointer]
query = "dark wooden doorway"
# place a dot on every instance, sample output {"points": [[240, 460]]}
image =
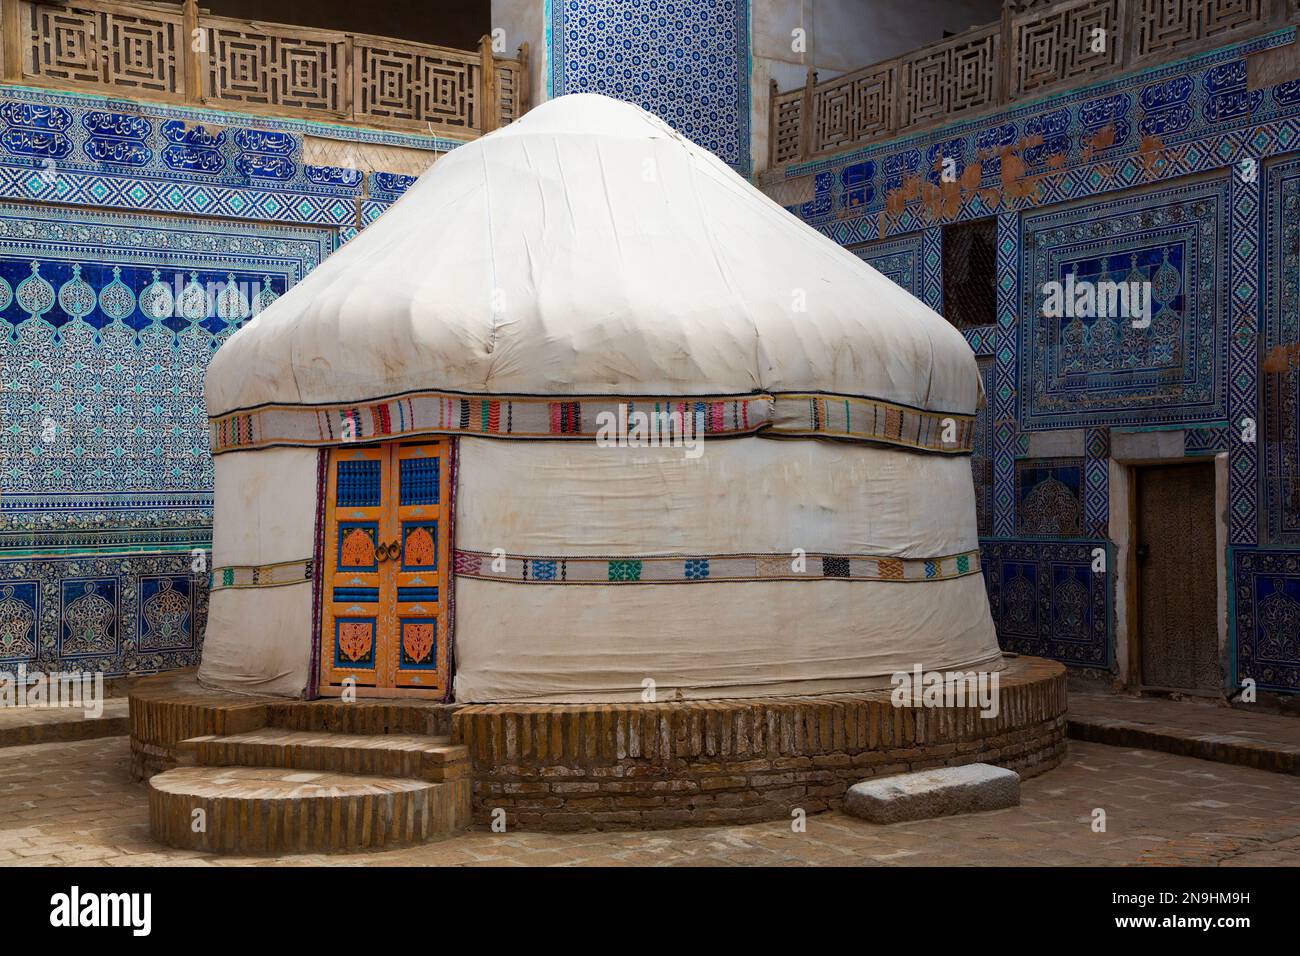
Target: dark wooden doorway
{"points": [[1177, 579]]}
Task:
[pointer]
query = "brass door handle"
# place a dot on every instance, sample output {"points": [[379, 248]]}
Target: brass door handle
{"points": [[388, 552]]}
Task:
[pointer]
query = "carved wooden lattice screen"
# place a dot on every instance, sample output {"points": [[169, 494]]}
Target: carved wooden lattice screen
{"points": [[956, 76], [264, 65], [508, 75], [1040, 45], [970, 273], [411, 85], [855, 107], [129, 48], [786, 113], [1166, 28], [173, 52], [1064, 43]]}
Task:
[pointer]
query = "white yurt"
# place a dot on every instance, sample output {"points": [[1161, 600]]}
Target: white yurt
{"points": [[583, 413]]}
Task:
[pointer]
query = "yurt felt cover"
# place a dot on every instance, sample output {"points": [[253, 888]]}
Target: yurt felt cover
{"points": [[589, 251]]}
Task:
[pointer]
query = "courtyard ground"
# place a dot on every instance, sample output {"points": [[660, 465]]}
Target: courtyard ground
{"points": [[74, 803]]}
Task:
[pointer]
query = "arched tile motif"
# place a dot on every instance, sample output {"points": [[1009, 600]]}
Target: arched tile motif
{"points": [[18, 620], [167, 610], [89, 618]]}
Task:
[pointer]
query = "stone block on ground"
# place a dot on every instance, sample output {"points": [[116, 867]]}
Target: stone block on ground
{"points": [[973, 788]]}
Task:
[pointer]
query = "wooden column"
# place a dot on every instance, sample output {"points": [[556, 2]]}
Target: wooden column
{"points": [[195, 61], [771, 123], [489, 112], [524, 82], [1004, 65], [806, 117], [11, 24], [348, 80]]}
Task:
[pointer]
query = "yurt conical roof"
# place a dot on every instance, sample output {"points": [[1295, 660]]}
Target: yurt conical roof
{"points": [[589, 250]]}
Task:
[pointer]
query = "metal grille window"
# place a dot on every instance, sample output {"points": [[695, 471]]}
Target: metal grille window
{"points": [[970, 273]]}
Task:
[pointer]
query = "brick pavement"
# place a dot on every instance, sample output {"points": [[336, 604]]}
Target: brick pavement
{"points": [[74, 803]]}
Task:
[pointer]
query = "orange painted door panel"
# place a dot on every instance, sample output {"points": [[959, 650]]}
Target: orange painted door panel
{"points": [[383, 613], [419, 569]]}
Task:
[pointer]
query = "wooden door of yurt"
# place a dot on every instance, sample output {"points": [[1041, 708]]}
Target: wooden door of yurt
{"points": [[384, 606]]}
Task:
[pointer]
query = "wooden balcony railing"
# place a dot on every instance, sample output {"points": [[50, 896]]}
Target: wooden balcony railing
{"points": [[176, 52], [1038, 46]]}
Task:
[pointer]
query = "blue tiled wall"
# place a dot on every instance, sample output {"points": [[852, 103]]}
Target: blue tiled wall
{"points": [[1197, 192], [687, 61], [134, 239]]}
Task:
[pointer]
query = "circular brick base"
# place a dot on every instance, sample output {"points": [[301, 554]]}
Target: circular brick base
{"points": [[647, 766]]}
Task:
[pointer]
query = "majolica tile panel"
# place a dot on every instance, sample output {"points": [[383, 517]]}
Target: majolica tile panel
{"points": [[1110, 369]]}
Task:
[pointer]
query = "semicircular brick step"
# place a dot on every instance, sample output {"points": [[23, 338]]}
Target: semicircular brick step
{"points": [[287, 810], [276, 789]]}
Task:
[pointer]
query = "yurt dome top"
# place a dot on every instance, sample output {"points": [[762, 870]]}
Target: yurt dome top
{"points": [[587, 249]]}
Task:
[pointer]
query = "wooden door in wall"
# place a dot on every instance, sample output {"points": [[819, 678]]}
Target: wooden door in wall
{"points": [[384, 607], [1178, 635]]}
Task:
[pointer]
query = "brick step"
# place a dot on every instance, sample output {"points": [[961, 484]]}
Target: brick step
{"points": [[362, 716], [286, 810], [415, 756], [1276, 755], [20, 726]]}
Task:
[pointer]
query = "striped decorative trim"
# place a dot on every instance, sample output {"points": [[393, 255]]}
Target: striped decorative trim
{"points": [[262, 576], [702, 569], [437, 413], [864, 419], [443, 413]]}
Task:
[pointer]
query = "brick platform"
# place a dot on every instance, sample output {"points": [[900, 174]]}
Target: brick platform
{"points": [[648, 766], [644, 766]]}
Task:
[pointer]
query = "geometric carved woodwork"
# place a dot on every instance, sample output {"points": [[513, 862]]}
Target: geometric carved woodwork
{"points": [[951, 77], [84, 45], [508, 74], [854, 108], [398, 81], [147, 49], [287, 68], [786, 110], [384, 604], [1064, 43], [1050, 45], [970, 273], [1164, 27]]}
